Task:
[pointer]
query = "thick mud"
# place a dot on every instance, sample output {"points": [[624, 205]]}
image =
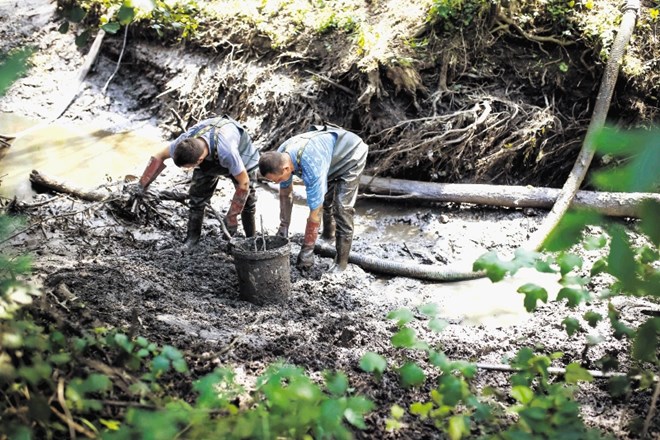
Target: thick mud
{"points": [[101, 266]]}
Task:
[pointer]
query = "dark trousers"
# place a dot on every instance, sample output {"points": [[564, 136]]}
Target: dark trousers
{"points": [[205, 180]]}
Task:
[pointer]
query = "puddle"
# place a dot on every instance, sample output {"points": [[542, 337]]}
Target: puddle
{"points": [[86, 156]]}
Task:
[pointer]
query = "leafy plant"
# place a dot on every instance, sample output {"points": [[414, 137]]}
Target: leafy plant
{"points": [[178, 19], [543, 408], [12, 67]]}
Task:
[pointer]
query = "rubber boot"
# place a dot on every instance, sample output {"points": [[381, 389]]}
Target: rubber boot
{"points": [[343, 246], [195, 220], [329, 226], [249, 223]]}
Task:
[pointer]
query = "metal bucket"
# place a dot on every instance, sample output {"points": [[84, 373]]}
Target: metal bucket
{"points": [[264, 273]]}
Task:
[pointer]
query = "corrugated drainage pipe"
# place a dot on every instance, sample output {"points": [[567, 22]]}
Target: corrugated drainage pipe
{"points": [[396, 268]]}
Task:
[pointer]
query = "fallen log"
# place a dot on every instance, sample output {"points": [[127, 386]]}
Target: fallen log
{"points": [[606, 203], [62, 187]]}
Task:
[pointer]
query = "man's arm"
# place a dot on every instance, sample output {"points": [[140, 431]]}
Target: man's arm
{"points": [[154, 167], [306, 256], [238, 201]]}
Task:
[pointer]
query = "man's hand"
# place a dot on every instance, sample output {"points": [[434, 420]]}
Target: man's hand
{"points": [[134, 189], [305, 258], [283, 231], [231, 223]]}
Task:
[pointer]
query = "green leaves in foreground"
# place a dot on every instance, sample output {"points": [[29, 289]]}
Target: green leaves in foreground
{"points": [[13, 67], [639, 151]]}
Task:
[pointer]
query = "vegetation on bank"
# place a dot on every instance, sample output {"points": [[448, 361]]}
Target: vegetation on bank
{"points": [[442, 90]]}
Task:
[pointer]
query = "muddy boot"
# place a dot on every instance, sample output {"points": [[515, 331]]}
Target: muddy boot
{"points": [[343, 250], [249, 226], [195, 220], [329, 226]]}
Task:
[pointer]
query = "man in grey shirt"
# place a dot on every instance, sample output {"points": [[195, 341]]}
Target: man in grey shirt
{"points": [[214, 147]]}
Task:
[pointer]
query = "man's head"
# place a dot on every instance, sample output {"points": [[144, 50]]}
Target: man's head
{"points": [[189, 153], [274, 166]]}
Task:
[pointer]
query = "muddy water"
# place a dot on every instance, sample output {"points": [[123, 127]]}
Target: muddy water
{"points": [[86, 156]]}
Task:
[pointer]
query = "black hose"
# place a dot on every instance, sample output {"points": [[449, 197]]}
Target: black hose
{"points": [[410, 270]]}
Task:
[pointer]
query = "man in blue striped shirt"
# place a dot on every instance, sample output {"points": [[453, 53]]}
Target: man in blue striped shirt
{"points": [[214, 147], [329, 161]]}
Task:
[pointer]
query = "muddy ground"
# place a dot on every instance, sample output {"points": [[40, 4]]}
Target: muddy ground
{"points": [[100, 266]]}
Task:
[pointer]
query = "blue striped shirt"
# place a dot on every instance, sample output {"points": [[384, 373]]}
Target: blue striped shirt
{"points": [[314, 164]]}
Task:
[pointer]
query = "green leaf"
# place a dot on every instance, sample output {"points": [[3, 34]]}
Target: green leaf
{"points": [[452, 389], [645, 344], [180, 366], [568, 231], [572, 325], [13, 67], [573, 296], [459, 426], [421, 409], [431, 310], [398, 412], [332, 412], [111, 27], [411, 375], [357, 408], [600, 266], [620, 329], [619, 386], [650, 213], [60, 358], [640, 149], [592, 243], [575, 373], [437, 325], [82, 38], [533, 293], [404, 338], [496, 269], [522, 394], [592, 318], [97, 382], [160, 364], [402, 316], [337, 383], [621, 259], [64, 27], [569, 262], [75, 14], [440, 360], [125, 14], [373, 363]]}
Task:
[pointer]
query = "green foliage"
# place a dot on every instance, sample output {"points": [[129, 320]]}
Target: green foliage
{"points": [[285, 404], [545, 408], [12, 67], [456, 14], [178, 19]]}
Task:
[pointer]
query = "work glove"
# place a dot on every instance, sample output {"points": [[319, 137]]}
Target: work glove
{"points": [[286, 205], [231, 228], [235, 208], [306, 256], [153, 169]]}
